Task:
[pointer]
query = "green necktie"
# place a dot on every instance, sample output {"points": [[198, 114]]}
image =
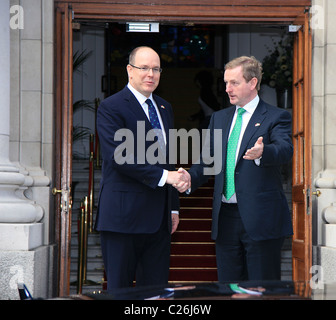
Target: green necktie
{"points": [[229, 185]]}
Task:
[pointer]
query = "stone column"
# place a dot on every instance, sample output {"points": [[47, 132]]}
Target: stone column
{"points": [[329, 216], [323, 137], [20, 231], [14, 208]]}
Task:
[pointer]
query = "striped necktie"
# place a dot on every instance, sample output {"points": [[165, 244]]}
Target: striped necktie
{"points": [[229, 183]]}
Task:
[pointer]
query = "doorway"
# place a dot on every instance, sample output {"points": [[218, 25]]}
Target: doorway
{"points": [[187, 53], [280, 13]]}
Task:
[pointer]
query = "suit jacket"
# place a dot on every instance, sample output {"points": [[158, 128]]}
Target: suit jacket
{"points": [[130, 200], [261, 201]]}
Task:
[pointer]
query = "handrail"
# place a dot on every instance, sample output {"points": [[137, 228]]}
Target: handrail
{"points": [[91, 184], [81, 242], [97, 144]]}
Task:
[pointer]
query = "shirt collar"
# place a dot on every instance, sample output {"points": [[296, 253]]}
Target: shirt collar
{"points": [[139, 96], [252, 105]]}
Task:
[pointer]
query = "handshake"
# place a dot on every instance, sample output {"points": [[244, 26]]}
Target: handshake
{"points": [[179, 179]]}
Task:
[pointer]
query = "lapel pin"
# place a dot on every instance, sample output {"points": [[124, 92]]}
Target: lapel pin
{"points": [[163, 107], [257, 124]]}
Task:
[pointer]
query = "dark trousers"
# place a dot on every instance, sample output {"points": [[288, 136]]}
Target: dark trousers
{"points": [[241, 258], [141, 257]]}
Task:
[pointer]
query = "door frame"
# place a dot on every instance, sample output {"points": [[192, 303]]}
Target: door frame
{"points": [[282, 12], [63, 144], [302, 160]]}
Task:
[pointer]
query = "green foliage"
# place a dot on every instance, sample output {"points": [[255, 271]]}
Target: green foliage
{"points": [[278, 65]]}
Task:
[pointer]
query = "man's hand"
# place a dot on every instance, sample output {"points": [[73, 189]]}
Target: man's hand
{"points": [[256, 151], [179, 179], [185, 181], [175, 222]]}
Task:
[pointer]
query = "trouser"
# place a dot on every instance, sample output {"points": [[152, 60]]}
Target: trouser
{"points": [[141, 257], [241, 258]]}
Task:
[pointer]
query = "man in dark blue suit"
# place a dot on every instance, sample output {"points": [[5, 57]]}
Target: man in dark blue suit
{"points": [[138, 207], [249, 223]]}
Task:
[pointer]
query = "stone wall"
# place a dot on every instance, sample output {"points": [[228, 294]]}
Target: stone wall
{"points": [[324, 137], [26, 144]]}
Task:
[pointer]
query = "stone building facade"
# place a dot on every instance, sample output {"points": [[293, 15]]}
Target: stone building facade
{"points": [[27, 127]]}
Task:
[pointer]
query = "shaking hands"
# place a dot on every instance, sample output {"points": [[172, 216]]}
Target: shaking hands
{"points": [[179, 179]]}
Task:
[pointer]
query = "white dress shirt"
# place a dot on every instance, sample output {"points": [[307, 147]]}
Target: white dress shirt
{"points": [[250, 107]]}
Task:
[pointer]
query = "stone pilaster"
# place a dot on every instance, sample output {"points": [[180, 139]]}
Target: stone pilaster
{"points": [[23, 256], [14, 208], [324, 138]]}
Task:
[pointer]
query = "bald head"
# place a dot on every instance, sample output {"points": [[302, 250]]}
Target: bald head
{"points": [[142, 70]]}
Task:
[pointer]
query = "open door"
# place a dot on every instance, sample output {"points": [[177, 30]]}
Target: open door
{"points": [[301, 194], [281, 12], [63, 143]]}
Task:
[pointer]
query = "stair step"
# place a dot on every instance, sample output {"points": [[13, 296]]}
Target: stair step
{"points": [[194, 212], [93, 251], [193, 274], [75, 225], [194, 224], [92, 275], [191, 236], [196, 202], [93, 239], [93, 264], [193, 248], [203, 192], [189, 261]]}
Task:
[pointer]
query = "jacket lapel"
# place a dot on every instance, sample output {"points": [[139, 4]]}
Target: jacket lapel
{"points": [[253, 126], [135, 107], [225, 125]]}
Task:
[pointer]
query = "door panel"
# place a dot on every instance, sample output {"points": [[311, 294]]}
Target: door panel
{"points": [[301, 193], [63, 152]]}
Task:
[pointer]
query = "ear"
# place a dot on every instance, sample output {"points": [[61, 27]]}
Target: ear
{"points": [[129, 70], [254, 82]]}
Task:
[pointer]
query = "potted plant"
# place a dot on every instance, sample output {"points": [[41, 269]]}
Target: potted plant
{"points": [[81, 132], [278, 70]]}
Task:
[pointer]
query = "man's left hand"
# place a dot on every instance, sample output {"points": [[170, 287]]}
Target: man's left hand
{"points": [[175, 222], [256, 151]]}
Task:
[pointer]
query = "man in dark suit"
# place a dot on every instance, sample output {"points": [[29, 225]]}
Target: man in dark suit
{"points": [[138, 208], [250, 221]]}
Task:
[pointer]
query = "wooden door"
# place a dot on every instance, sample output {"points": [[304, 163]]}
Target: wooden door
{"points": [[301, 194], [63, 143]]}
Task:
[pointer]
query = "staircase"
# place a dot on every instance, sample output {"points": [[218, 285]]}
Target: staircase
{"points": [[95, 265], [193, 258]]}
